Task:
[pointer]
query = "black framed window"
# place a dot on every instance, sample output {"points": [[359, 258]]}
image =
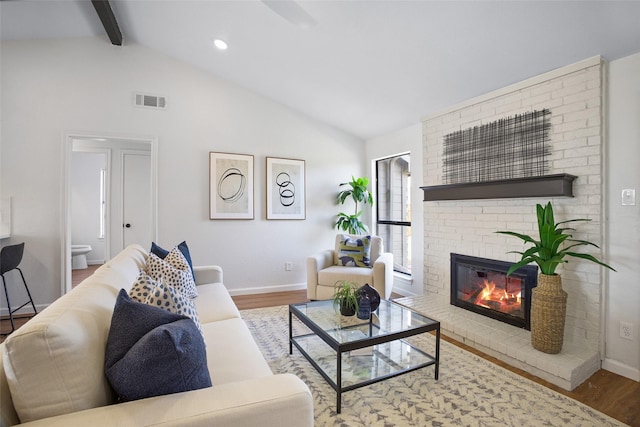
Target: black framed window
{"points": [[393, 213]]}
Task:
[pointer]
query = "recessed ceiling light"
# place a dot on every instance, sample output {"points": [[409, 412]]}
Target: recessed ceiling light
{"points": [[220, 44]]}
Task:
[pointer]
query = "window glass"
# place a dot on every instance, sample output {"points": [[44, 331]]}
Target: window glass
{"points": [[393, 201], [103, 203]]}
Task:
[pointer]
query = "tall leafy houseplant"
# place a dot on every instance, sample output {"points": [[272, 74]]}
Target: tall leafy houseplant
{"points": [[358, 192], [546, 252], [549, 300]]}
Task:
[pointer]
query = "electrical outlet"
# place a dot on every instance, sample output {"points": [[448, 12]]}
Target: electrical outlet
{"points": [[626, 330], [629, 197], [288, 266]]}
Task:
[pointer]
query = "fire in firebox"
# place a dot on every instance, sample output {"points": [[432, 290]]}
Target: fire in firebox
{"points": [[482, 285], [497, 299]]}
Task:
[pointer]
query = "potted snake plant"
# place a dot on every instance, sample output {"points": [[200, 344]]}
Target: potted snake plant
{"points": [[549, 300]]}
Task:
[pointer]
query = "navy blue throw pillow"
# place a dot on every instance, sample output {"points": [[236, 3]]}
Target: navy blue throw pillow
{"points": [[152, 352], [162, 253]]}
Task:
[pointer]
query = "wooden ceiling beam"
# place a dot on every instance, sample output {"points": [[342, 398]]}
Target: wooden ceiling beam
{"points": [[103, 8]]}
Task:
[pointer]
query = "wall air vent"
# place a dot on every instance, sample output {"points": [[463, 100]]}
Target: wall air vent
{"points": [[146, 100]]}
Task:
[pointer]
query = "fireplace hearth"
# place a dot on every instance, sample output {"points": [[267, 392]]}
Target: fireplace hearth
{"points": [[481, 285]]}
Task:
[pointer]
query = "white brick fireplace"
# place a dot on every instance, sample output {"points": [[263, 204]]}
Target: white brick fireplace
{"points": [[574, 95]]}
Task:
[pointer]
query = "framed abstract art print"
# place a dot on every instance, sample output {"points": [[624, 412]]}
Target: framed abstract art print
{"points": [[286, 191], [230, 186]]}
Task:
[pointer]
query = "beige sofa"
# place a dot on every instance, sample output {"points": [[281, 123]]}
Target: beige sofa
{"points": [[52, 368]]}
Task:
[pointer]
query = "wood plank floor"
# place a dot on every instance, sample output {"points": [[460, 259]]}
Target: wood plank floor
{"points": [[612, 394], [77, 276]]}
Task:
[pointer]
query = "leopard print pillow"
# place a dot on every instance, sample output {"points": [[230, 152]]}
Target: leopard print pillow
{"points": [[154, 292], [174, 271]]}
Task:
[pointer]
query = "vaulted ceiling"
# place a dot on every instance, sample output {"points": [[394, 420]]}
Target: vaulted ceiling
{"points": [[366, 67]]}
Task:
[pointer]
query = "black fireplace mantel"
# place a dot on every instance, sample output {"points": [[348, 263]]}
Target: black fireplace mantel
{"points": [[558, 185]]}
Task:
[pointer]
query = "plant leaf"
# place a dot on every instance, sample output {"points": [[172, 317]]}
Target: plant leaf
{"points": [[519, 264], [572, 220], [520, 236], [581, 242], [548, 215], [540, 216], [590, 258]]}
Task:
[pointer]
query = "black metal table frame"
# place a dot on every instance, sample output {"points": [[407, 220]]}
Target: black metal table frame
{"points": [[341, 348]]}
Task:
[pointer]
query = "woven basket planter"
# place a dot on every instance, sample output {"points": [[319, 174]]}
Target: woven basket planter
{"points": [[548, 312]]}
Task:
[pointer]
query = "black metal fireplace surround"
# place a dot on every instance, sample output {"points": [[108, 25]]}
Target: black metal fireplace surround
{"points": [[481, 285]]}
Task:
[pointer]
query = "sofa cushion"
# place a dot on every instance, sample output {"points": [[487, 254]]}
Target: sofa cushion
{"points": [[237, 357], [152, 352], [125, 265], [214, 303], [66, 343], [331, 275], [162, 253], [174, 271], [354, 251], [152, 292]]}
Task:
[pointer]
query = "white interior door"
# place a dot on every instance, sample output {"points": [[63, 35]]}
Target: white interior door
{"points": [[136, 198]]}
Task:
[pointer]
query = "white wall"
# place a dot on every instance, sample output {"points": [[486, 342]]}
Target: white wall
{"points": [[405, 140], [56, 86], [623, 303]]}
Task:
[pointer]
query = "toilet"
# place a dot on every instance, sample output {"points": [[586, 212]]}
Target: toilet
{"points": [[79, 256]]}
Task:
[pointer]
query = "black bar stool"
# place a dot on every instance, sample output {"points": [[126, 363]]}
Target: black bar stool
{"points": [[10, 257]]}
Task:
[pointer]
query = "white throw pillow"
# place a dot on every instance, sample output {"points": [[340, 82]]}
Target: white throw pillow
{"points": [[154, 292], [174, 271]]}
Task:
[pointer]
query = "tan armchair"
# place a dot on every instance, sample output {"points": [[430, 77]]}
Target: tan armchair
{"points": [[327, 267]]}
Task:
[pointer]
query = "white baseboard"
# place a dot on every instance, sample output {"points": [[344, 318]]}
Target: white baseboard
{"points": [[621, 369], [405, 292], [403, 285], [268, 289], [95, 261], [27, 309]]}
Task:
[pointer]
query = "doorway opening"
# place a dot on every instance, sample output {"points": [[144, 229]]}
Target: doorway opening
{"points": [[100, 214], [89, 205]]}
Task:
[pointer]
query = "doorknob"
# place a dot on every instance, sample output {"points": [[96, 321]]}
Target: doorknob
{"points": [[127, 225]]}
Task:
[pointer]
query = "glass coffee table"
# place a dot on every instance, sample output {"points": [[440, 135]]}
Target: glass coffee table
{"points": [[351, 353]]}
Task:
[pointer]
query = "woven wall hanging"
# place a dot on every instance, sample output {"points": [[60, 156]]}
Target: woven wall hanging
{"points": [[513, 147]]}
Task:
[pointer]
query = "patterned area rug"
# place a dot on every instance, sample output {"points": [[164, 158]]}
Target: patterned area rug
{"points": [[470, 391]]}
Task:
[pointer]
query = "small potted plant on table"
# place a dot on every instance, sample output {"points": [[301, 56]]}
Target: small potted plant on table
{"points": [[346, 297]]}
